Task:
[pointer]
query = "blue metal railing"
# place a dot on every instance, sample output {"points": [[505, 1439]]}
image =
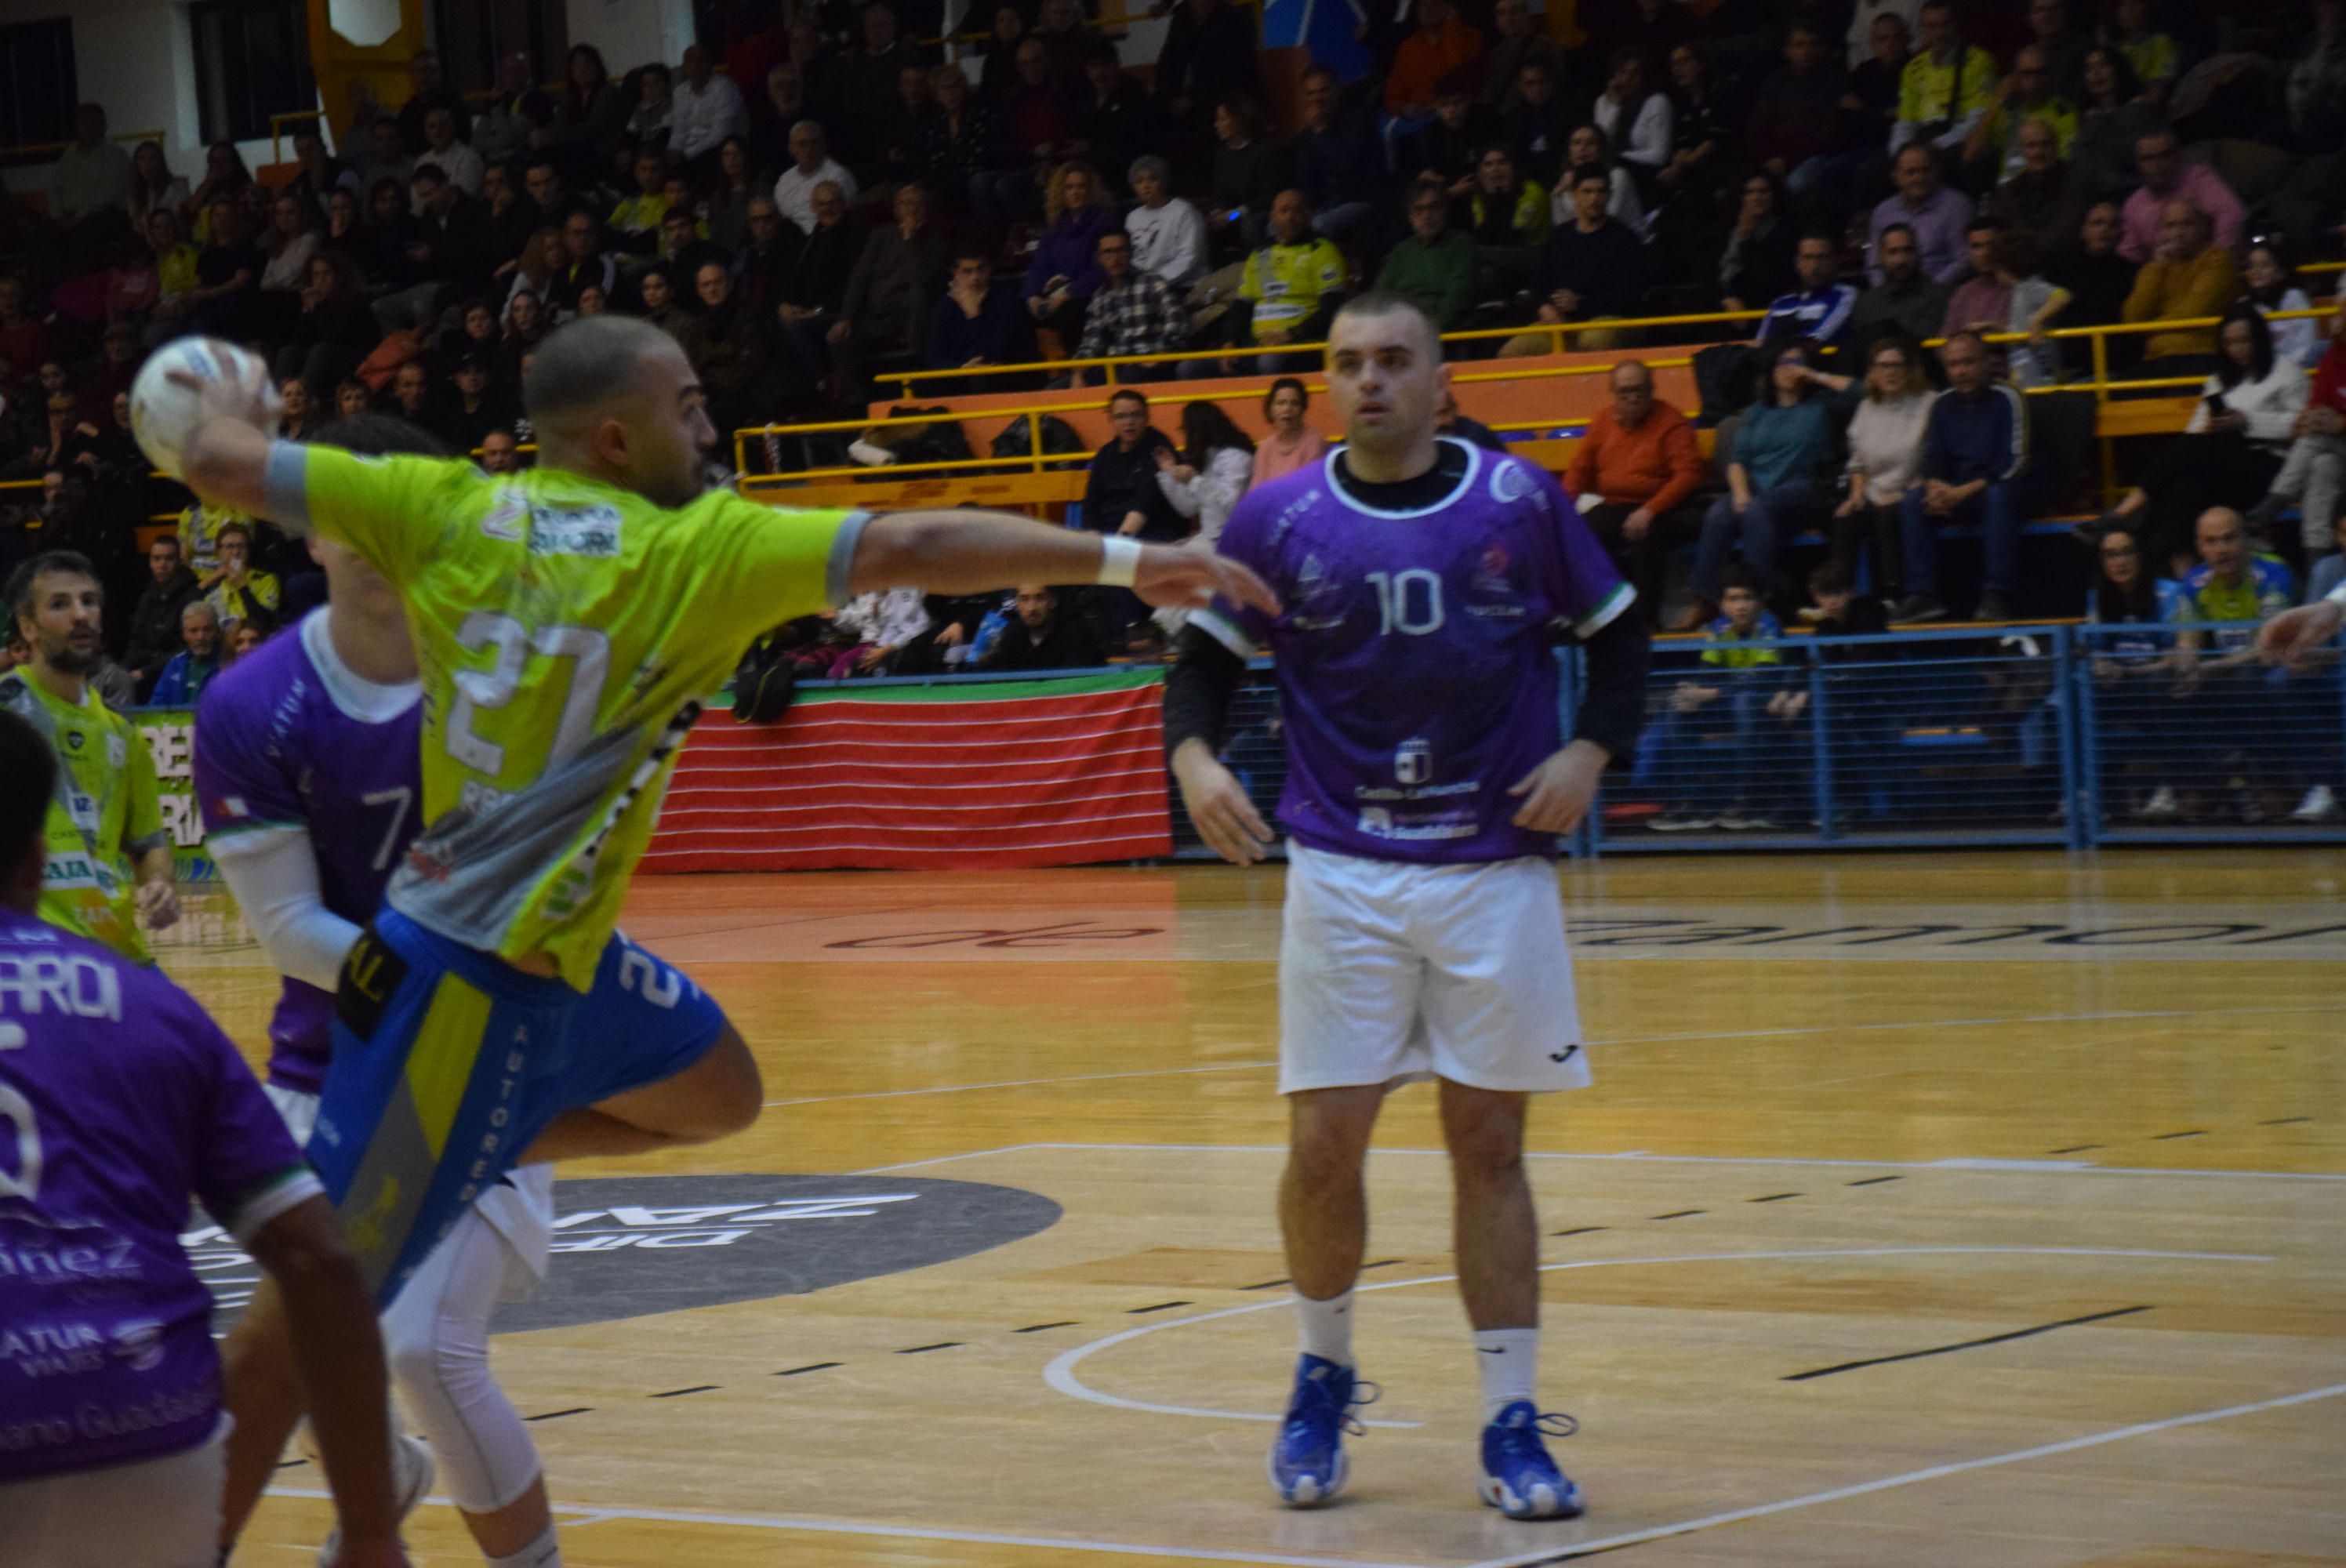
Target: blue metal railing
{"points": [[2063, 736]]}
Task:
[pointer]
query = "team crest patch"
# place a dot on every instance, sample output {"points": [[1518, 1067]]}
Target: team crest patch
{"points": [[1508, 482], [589, 531], [117, 751]]}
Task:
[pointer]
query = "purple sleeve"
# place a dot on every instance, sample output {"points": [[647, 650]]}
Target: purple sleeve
{"points": [[248, 1170], [240, 778], [1241, 628], [1588, 589]]}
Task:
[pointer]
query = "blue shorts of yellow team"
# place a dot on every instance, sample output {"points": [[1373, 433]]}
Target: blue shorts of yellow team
{"points": [[447, 1064]]}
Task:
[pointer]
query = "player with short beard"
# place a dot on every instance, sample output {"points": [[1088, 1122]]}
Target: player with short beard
{"points": [[309, 772], [109, 867]]}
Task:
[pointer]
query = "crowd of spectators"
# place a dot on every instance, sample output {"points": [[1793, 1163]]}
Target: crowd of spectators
{"points": [[815, 200]]}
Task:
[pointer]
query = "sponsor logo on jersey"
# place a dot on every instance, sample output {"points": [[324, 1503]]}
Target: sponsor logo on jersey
{"points": [[592, 532]]}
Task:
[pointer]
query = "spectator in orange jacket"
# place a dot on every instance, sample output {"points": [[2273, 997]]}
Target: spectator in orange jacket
{"points": [[1633, 476], [1442, 43]]}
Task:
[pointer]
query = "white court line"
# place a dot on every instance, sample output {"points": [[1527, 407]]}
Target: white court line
{"points": [[1624, 1040], [1913, 1477], [597, 1515], [1061, 1373], [1968, 1166]]}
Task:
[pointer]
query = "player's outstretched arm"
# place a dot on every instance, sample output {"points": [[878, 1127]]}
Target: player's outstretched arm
{"points": [[2290, 637], [973, 552], [337, 1353]]}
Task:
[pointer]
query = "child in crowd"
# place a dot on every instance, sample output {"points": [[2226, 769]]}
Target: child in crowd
{"points": [[1734, 725]]}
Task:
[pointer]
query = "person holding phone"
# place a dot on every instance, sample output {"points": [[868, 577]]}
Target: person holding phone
{"points": [[2237, 439]]}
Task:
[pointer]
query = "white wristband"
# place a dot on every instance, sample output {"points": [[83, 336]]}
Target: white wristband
{"points": [[1119, 561]]}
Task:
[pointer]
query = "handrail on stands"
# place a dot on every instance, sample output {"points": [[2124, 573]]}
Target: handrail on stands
{"points": [[1036, 460]]}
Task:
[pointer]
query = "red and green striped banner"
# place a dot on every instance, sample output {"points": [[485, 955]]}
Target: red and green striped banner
{"points": [[1045, 772]]}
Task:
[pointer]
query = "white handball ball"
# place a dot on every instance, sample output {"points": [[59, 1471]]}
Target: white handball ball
{"points": [[163, 413]]}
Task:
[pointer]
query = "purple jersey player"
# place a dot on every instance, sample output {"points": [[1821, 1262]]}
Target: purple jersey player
{"points": [[1417, 680], [289, 740], [1425, 583], [118, 1099]]}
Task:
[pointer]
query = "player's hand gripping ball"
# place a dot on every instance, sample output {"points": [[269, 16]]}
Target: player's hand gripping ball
{"points": [[188, 382]]}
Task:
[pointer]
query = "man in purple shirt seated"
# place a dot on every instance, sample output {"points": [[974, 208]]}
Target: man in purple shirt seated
{"points": [[121, 1098], [2159, 158], [1937, 213], [1424, 582]]}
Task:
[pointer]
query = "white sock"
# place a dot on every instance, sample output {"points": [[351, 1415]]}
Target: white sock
{"points": [[1508, 1360], [545, 1551], [1326, 1327]]}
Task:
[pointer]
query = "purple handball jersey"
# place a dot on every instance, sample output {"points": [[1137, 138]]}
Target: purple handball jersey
{"points": [[288, 739], [1417, 677], [118, 1098]]}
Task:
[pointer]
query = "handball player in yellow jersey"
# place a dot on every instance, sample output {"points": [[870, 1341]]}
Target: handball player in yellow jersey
{"points": [[568, 621]]}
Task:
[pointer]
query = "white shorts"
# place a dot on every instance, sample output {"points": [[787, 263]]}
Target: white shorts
{"points": [[1390, 972], [153, 1513]]}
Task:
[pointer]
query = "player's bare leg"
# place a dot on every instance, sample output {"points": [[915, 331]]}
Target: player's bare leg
{"points": [[1496, 1229], [1497, 1241], [1323, 1207], [717, 1097], [1323, 1215]]}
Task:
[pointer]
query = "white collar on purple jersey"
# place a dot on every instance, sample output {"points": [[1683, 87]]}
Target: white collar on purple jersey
{"points": [[1466, 482], [360, 698]]}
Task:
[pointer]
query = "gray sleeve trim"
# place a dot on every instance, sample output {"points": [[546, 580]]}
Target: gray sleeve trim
{"points": [[838, 574], [285, 486]]}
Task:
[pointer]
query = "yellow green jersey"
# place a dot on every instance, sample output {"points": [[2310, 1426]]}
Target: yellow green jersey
{"points": [[567, 632], [106, 812]]}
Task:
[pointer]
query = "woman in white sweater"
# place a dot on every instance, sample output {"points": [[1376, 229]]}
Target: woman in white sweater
{"points": [[1885, 460], [1213, 469], [2228, 453]]}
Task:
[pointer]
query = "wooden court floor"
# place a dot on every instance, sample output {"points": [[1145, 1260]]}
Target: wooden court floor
{"points": [[1965, 1210]]}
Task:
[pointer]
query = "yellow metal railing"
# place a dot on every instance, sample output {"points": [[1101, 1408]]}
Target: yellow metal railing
{"points": [[1556, 333], [2101, 385]]}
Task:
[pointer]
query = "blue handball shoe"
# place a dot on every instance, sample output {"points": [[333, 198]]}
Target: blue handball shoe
{"points": [[1519, 1478], [1307, 1459]]}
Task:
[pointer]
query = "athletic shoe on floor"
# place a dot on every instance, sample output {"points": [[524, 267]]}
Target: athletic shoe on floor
{"points": [[2319, 805], [411, 1470], [1519, 1478], [1307, 1459], [1681, 822], [1918, 608], [2161, 807]]}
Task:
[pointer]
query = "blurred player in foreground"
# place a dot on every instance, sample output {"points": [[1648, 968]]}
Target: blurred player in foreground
{"points": [[307, 769], [109, 861], [120, 1099], [2291, 636], [568, 621], [1425, 581]]}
